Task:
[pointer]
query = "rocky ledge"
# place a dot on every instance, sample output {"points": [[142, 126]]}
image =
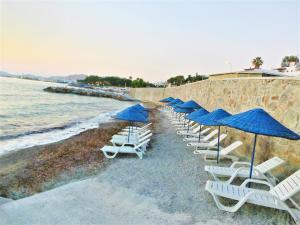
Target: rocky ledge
{"points": [[89, 92]]}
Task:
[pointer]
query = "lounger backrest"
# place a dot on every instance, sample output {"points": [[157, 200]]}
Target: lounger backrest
{"points": [[288, 187], [194, 126], [146, 126], [144, 138], [144, 133], [210, 135], [215, 141], [205, 130], [142, 144], [269, 164], [231, 147], [196, 129]]}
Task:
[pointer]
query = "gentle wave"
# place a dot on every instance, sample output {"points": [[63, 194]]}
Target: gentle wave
{"points": [[52, 135], [43, 130]]}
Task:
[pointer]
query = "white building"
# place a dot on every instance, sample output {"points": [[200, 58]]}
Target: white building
{"points": [[292, 70]]}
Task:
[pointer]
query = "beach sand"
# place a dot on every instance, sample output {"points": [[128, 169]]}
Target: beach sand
{"points": [[28, 171], [166, 187]]}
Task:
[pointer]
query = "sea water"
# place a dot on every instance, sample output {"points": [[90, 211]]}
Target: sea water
{"points": [[30, 116]]}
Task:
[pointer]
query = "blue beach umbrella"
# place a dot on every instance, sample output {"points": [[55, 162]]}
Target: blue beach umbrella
{"points": [[140, 108], [178, 109], [132, 115], [175, 101], [190, 105], [166, 100], [196, 114], [212, 119], [258, 121]]}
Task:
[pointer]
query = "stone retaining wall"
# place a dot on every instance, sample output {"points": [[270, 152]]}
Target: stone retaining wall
{"points": [[278, 96]]}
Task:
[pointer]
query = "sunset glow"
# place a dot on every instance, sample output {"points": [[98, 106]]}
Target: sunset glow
{"points": [[153, 40]]}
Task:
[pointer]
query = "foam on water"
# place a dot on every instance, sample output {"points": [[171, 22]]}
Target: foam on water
{"points": [[54, 135]]}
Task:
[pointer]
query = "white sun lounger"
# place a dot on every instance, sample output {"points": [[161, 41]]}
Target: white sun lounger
{"points": [[120, 140], [208, 145], [137, 128], [183, 128], [135, 134], [242, 170], [224, 152], [193, 129], [275, 198], [203, 138], [194, 133], [112, 151]]}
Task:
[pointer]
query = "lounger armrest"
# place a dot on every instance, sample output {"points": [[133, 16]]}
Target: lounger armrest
{"points": [[236, 172], [244, 164], [257, 182]]}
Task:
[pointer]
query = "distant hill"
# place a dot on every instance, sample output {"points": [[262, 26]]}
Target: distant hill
{"points": [[5, 74], [72, 77], [65, 79]]}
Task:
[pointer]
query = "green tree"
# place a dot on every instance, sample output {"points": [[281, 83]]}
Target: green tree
{"points": [[177, 80], [257, 62], [287, 60]]}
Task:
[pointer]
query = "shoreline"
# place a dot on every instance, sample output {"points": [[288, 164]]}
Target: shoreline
{"points": [[53, 135], [27, 171]]}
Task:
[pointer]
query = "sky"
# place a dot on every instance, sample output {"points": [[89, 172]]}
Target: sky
{"points": [[153, 40]]}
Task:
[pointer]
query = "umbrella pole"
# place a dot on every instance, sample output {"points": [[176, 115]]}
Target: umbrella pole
{"points": [[128, 133], [218, 153], [200, 133], [253, 156], [188, 126]]}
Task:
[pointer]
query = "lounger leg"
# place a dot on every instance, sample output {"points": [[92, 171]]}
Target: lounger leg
{"points": [[110, 156], [233, 208]]}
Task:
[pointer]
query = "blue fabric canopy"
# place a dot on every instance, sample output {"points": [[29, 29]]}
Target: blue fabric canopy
{"points": [[190, 105], [196, 114], [177, 104], [132, 114], [140, 108], [258, 121], [175, 101], [178, 109], [212, 119], [168, 99]]}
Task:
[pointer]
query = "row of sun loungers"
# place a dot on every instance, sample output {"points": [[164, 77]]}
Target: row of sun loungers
{"points": [[131, 140], [277, 196]]}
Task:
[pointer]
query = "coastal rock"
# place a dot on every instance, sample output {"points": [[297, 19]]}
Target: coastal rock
{"points": [[89, 92]]}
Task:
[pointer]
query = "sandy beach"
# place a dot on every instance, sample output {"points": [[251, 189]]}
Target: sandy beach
{"points": [[166, 187], [28, 171]]}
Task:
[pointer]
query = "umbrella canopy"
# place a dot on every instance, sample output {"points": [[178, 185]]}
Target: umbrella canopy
{"points": [[177, 104], [175, 101], [190, 105], [131, 114], [166, 100], [258, 121], [140, 108], [196, 114], [211, 119], [178, 109]]}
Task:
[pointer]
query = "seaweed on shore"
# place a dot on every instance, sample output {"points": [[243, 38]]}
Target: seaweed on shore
{"points": [[40, 168]]}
